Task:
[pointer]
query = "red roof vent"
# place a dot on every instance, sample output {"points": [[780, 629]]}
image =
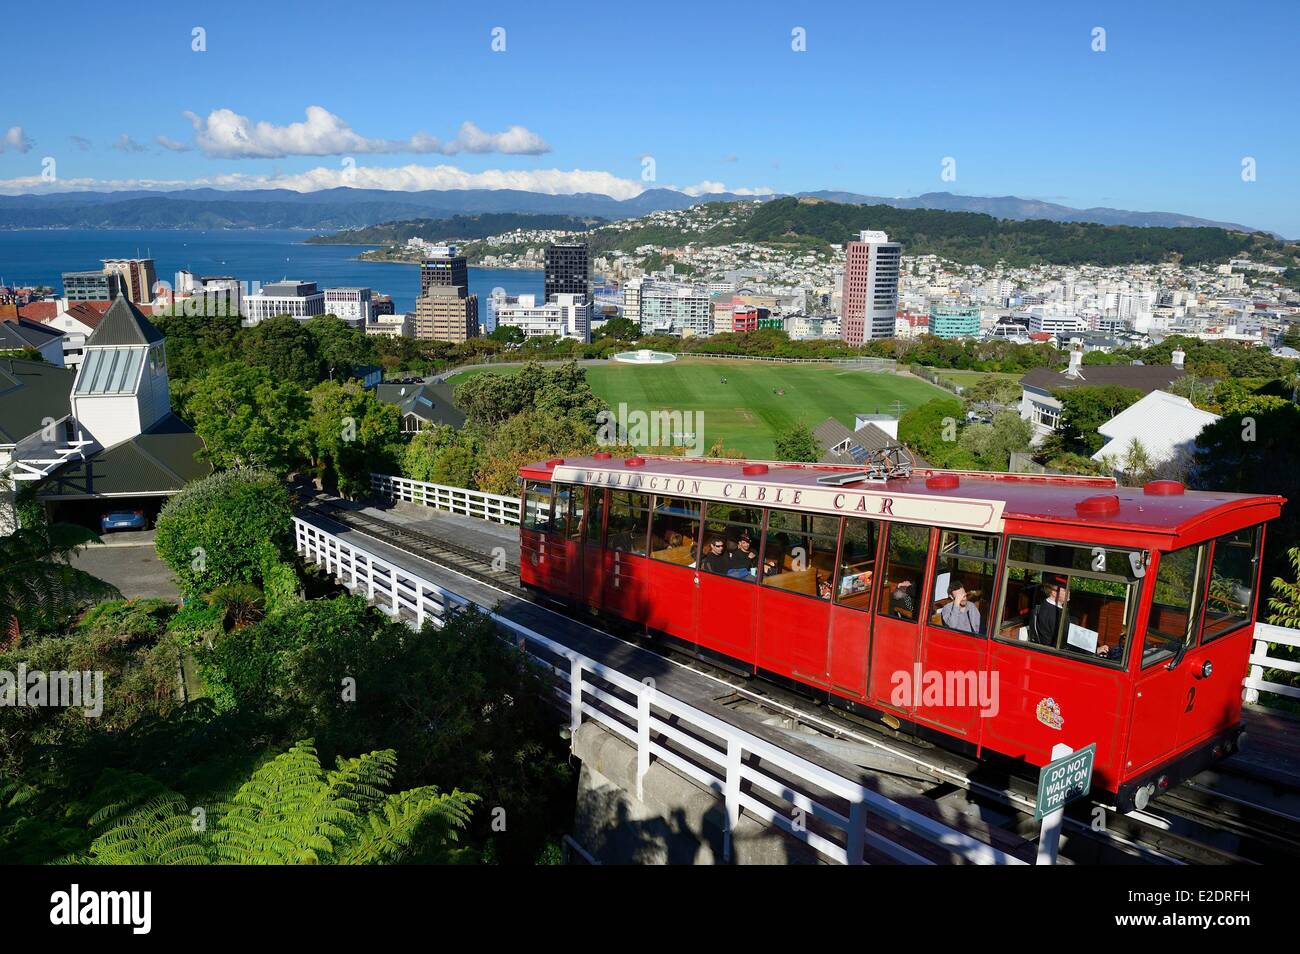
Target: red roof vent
{"points": [[1098, 505], [555, 462], [754, 470], [942, 481], [1164, 488], [601, 455], [635, 462]]}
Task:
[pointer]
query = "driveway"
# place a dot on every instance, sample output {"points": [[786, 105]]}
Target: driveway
{"points": [[129, 561]]}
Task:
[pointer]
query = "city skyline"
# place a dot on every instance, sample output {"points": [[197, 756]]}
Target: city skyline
{"points": [[1167, 108]]}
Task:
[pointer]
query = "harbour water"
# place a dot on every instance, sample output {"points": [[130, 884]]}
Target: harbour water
{"points": [[40, 256]]}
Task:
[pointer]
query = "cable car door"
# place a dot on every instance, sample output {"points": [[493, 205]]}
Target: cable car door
{"points": [[898, 616]]}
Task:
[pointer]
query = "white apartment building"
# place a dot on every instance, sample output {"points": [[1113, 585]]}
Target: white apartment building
{"points": [[1053, 321], [632, 299], [391, 326], [301, 300], [352, 305], [675, 309], [568, 316]]}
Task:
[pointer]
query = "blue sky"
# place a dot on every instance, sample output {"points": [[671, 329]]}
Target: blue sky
{"points": [[1161, 119]]}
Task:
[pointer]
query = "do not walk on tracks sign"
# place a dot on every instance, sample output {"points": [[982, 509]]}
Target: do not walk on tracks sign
{"points": [[1063, 780]]}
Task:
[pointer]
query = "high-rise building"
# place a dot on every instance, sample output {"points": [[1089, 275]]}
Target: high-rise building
{"points": [[568, 270], [445, 268], [869, 296], [138, 277], [675, 309], [97, 285], [446, 313]]}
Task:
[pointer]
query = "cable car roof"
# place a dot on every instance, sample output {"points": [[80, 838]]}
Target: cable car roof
{"points": [[971, 500]]}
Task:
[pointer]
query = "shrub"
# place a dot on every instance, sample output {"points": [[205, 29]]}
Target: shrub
{"points": [[214, 532]]}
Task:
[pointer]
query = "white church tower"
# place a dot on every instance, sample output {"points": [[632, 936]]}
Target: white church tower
{"points": [[121, 386]]}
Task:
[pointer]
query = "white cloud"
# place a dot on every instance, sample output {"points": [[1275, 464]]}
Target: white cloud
{"points": [[408, 178], [708, 187], [124, 143], [16, 140], [167, 142], [81, 142], [225, 134], [515, 141]]}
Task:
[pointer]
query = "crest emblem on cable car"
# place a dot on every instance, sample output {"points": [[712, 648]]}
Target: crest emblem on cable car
{"points": [[1049, 713]]}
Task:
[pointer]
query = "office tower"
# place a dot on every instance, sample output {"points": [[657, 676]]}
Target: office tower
{"points": [[869, 296], [95, 285], [446, 313], [443, 268], [568, 270], [138, 277]]}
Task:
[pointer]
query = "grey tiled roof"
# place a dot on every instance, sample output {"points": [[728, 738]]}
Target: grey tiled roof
{"points": [[1145, 377], [159, 461], [831, 433], [439, 410], [20, 334], [30, 392], [124, 324]]}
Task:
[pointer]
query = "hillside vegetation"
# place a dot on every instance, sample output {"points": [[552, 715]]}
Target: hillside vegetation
{"points": [[458, 227]]}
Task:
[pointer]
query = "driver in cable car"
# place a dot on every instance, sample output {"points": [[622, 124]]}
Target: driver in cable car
{"points": [[1045, 621]]}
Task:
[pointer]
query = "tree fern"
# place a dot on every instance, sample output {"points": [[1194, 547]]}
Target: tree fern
{"points": [[290, 811]]}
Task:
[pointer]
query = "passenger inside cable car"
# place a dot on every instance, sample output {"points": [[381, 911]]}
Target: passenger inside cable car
{"points": [[715, 559], [901, 602], [1073, 599], [742, 562], [1045, 620], [960, 612]]}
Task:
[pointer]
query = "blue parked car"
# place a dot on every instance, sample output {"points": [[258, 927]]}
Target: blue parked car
{"points": [[122, 520]]}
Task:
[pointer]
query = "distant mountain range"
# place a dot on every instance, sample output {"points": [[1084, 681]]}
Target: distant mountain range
{"points": [[342, 208]]}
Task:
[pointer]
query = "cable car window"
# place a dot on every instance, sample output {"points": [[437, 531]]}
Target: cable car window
{"points": [[629, 519], [1175, 604], [595, 508], [906, 552], [857, 563], [537, 506], [675, 530], [1231, 597], [561, 508], [576, 507], [731, 538], [1073, 599], [799, 552], [964, 572]]}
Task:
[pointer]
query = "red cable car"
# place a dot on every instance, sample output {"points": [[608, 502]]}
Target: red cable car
{"points": [[1009, 612]]}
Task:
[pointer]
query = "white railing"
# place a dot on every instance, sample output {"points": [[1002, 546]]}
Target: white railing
{"points": [[1260, 660], [834, 815], [471, 503], [397, 592]]}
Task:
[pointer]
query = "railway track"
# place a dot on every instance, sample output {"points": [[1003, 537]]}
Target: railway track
{"points": [[1193, 824]]}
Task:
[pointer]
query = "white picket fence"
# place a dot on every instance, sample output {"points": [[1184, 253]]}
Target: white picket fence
{"points": [[837, 817], [1260, 660], [470, 503]]}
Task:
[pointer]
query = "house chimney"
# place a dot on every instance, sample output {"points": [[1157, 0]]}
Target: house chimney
{"points": [[1076, 362], [1177, 357]]}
